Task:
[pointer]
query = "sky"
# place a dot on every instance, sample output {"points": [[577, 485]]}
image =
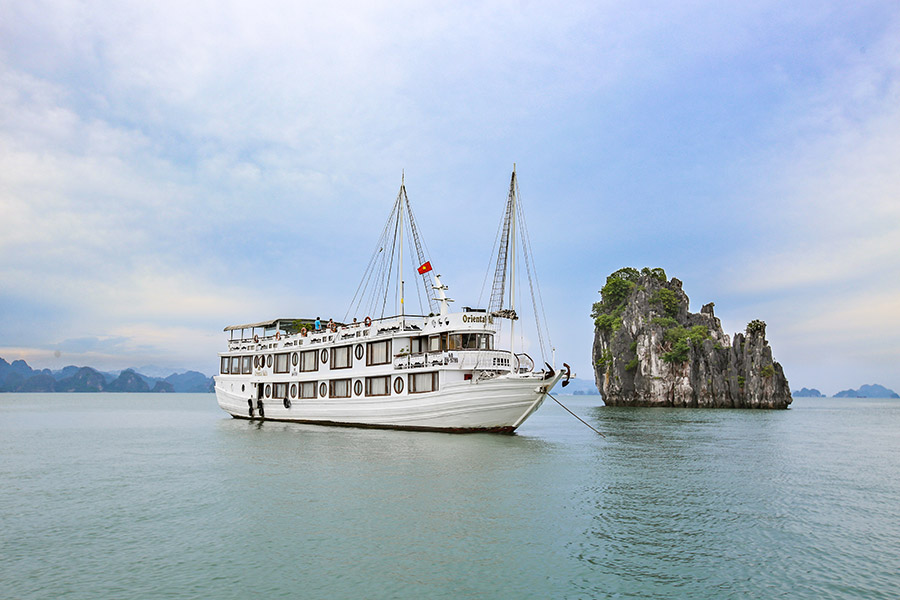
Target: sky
{"points": [[170, 168]]}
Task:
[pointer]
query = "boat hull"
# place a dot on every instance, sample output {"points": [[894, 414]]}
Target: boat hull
{"points": [[497, 405]]}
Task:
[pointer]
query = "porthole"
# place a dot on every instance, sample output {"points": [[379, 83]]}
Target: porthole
{"points": [[323, 390], [324, 356], [269, 361], [287, 403], [398, 385], [359, 352], [268, 390], [357, 387], [293, 390], [295, 358]]}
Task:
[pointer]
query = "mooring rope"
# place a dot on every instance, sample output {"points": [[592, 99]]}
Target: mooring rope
{"points": [[574, 415]]}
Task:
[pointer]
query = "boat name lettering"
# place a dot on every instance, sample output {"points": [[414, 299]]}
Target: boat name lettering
{"points": [[489, 319]]}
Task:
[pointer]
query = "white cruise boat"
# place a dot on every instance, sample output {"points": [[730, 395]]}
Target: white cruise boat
{"points": [[445, 371]]}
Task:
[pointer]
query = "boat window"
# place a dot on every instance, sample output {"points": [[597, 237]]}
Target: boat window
{"points": [[235, 365], [434, 343], [308, 389], [225, 363], [281, 363], [378, 353], [378, 386], [339, 388], [309, 361], [423, 382], [246, 365], [418, 345], [455, 342], [340, 358], [486, 342], [280, 390]]}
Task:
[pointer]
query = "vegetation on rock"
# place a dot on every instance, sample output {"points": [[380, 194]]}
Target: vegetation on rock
{"points": [[650, 350]]}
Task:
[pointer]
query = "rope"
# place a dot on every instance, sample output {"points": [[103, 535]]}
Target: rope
{"points": [[574, 415]]}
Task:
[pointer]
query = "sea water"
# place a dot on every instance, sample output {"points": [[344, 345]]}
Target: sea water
{"points": [[165, 496]]}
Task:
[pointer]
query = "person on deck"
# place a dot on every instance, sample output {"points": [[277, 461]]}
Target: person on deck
{"points": [[318, 324]]}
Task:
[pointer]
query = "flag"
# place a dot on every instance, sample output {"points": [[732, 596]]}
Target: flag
{"points": [[425, 268]]}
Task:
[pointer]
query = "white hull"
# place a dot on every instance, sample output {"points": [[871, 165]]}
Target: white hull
{"points": [[500, 404]]}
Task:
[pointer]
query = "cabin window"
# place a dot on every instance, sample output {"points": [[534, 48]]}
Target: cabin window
{"points": [[281, 363], [423, 382], [418, 345], [339, 388], [235, 365], [246, 365], [280, 390], [308, 389], [225, 363], [340, 357], [378, 386], [456, 342], [378, 353], [309, 361]]}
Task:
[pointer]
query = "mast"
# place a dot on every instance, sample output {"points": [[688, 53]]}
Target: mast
{"points": [[512, 262], [403, 190]]}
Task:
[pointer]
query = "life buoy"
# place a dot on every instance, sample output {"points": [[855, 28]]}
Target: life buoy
{"points": [[277, 335], [303, 331], [368, 321], [256, 338]]}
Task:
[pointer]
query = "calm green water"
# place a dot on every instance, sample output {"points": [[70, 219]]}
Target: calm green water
{"points": [[164, 496]]}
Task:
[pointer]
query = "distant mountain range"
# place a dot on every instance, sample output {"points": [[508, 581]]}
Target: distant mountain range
{"points": [[866, 391], [18, 376]]}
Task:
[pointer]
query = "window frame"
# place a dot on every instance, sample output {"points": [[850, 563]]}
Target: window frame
{"points": [[331, 386], [340, 350], [435, 380], [370, 362], [387, 385], [315, 360]]}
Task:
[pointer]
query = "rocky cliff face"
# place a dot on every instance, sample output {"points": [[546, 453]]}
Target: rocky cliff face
{"points": [[649, 350]]}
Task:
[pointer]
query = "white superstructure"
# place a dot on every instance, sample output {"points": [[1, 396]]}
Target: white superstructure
{"points": [[443, 371]]}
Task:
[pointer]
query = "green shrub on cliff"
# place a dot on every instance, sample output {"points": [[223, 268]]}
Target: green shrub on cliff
{"points": [[681, 339], [755, 326], [607, 313], [767, 371], [667, 299], [657, 273], [605, 359]]}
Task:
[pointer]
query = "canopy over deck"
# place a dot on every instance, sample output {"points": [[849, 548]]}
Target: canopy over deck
{"points": [[273, 324]]}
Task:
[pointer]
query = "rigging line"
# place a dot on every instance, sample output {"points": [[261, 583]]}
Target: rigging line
{"points": [[410, 238], [367, 274], [390, 272], [574, 415], [490, 261], [417, 242], [378, 275], [427, 281], [528, 271], [527, 244]]}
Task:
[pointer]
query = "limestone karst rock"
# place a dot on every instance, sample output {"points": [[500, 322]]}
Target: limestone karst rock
{"points": [[649, 350]]}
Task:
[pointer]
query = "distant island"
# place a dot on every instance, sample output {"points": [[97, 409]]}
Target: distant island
{"points": [[868, 391], [18, 376], [807, 393], [650, 350]]}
